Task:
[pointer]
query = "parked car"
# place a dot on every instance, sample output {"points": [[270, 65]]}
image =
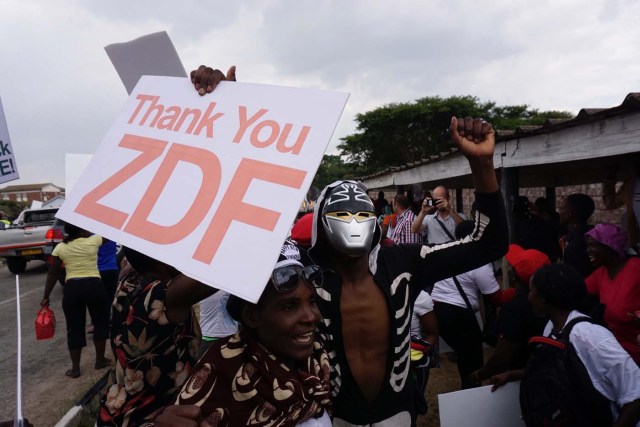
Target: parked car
{"points": [[25, 239], [55, 234]]}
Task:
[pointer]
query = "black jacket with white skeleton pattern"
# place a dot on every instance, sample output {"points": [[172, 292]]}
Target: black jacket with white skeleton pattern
{"points": [[400, 271]]}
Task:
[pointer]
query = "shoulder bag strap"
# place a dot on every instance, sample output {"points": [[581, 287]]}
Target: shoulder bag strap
{"points": [[566, 331], [444, 227], [462, 293]]}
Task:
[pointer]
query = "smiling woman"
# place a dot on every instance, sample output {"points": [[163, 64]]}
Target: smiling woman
{"points": [[275, 370], [616, 282]]}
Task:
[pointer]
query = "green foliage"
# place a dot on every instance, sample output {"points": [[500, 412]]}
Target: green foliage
{"points": [[401, 133], [333, 168], [12, 209]]}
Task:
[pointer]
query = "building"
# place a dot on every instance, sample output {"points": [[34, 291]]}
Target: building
{"points": [[552, 160], [31, 192], [55, 202]]}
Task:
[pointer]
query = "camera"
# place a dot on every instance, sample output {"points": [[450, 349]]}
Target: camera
{"points": [[430, 202]]}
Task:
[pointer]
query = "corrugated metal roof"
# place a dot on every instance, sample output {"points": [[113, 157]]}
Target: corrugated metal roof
{"points": [[630, 103], [26, 187]]}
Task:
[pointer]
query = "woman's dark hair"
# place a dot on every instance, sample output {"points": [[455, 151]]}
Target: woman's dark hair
{"points": [[72, 232], [561, 286], [464, 229], [140, 262]]}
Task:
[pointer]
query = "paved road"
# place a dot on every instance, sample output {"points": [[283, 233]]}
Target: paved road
{"points": [[47, 392]]}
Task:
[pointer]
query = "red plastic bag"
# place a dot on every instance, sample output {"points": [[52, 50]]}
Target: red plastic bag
{"points": [[45, 323]]}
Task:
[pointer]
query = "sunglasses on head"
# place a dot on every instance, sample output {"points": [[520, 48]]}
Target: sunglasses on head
{"points": [[287, 278]]}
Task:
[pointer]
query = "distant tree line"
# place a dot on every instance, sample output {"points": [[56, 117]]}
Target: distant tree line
{"points": [[401, 133], [12, 209]]}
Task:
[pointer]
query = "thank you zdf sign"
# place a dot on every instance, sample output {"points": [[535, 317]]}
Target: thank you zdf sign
{"points": [[207, 184]]}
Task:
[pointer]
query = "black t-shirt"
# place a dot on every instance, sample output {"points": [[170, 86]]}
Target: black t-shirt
{"points": [[517, 323]]}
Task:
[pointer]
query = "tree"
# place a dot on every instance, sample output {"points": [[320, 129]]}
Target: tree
{"points": [[332, 168], [12, 209], [401, 133]]}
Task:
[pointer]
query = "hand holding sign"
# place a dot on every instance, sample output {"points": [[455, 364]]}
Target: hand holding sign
{"points": [[205, 79]]}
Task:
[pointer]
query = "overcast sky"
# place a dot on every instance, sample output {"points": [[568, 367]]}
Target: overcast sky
{"points": [[61, 93]]}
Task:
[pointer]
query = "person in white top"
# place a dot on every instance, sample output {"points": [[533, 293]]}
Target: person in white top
{"points": [[215, 321], [557, 290], [457, 322]]}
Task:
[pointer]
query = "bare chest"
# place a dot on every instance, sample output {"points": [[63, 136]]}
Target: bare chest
{"points": [[366, 335]]}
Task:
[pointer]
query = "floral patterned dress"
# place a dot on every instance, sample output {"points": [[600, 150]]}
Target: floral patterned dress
{"points": [[153, 356]]}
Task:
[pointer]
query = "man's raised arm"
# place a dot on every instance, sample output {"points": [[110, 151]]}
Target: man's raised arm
{"points": [[476, 139]]}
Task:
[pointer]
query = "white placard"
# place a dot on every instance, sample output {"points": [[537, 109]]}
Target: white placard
{"points": [[8, 169], [212, 184], [479, 407], [150, 55]]}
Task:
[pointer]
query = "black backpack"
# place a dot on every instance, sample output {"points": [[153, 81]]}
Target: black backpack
{"points": [[556, 389]]}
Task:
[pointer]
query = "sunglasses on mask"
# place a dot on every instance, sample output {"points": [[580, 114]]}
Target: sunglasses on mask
{"points": [[348, 216], [287, 278]]}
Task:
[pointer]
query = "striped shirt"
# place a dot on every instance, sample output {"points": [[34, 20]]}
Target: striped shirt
{"points": [[402, 232]]}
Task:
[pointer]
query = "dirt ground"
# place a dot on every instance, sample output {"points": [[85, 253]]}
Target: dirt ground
{"points": [[442, 380]]}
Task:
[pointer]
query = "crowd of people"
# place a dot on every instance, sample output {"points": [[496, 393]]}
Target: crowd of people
{"points": [[348, 326]]}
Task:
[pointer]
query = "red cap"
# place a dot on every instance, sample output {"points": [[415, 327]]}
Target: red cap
{"points": [[525, 262], [301, 230]]}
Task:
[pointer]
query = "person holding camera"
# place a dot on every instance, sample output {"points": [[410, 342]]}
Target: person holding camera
{"points": [[437, 220]]}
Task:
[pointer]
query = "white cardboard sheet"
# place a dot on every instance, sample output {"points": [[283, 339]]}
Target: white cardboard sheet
{"points": [[150, 55], [479, 407], [210, 185]]}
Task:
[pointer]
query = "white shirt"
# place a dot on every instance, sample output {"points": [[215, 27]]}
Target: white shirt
{"points": [[613, 373], [422, 306], [215, 321], [434, 231], [474, 282]]}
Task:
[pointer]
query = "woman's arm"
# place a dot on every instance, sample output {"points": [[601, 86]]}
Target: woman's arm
{"points": [[476, 139], [498, 362], [181, 416], [629, 414], [505, 377], [182, 294], [52, 277], [429, 327]]}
